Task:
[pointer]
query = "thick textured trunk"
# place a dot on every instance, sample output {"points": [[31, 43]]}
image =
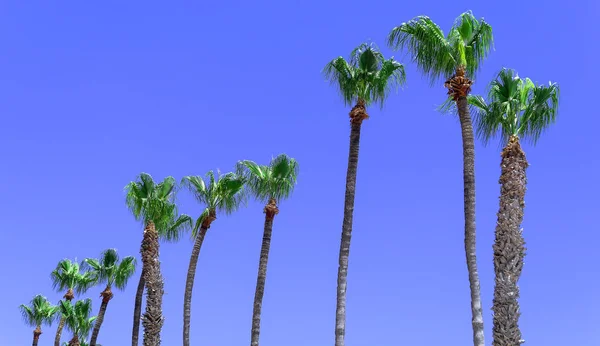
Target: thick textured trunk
{"points": [[74, 341], [137, 311], [106, 296], [509, 246], [189, 285], [357, 115], [469, 208], [36, 335], [270, 212], [153, 319], [69, 296]]}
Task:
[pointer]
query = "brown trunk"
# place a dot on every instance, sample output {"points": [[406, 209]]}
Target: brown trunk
{"points": [[137, 311], [270, 211], [36, 335], [106, 296], [74, 341], [189, 282], [153, 319], [357, 115], [509, 246], [69, 296], [469, 209]]}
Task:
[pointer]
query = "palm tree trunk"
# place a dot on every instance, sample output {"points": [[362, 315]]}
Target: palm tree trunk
{"points": [[509, 246], [59, 329], [137, 311], [469, 209], [270, 212], [189, 285], [74, 341], [106, 297], [153, 318], [357, 115], [36, 335]]}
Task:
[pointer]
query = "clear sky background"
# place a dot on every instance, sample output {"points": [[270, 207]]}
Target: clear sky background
{"points": [[92, 94]]}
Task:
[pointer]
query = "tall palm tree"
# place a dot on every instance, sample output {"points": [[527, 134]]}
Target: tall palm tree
{"points": [[269, 184], [458, 56], [68, 276], [222, 194], [153, 204], [517, 109], [77, 319], [109, 270], [39, 312], [366, 78]]}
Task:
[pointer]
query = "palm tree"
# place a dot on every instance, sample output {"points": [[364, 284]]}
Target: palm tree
{"points": [[269, 184], [457, 55], [109, 270], [223, 194], [68, 276], [367, 78], [517, 109], [77, 319], [153, 204], [39, 312]]}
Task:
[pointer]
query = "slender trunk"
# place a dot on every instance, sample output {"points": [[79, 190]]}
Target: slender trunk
{"points": [[357, 115], [469, 209], [189, 284], [509, 246], [137, 311], [36, 335], [69, 296], [270, 212], [153, 319], [74, 341], [106, 296]]}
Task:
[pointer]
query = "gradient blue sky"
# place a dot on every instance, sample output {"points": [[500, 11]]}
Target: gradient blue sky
{"points": [[94, 94]]}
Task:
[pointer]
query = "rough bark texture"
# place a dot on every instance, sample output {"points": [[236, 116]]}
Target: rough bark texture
{"points": [[153, 319], [191, 274], [509, 246], [69, 296], [270, 211], [137, 311], [36, 335], [74, 341], [106, 296], [357, 115]]}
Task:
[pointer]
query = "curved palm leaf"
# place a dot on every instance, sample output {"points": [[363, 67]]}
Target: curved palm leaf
{"points": [[277, 180]]}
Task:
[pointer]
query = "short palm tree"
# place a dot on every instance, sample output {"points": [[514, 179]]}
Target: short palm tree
{"points": [[366, 78], [268, 184], [222, 194], [39, 312], [109, 270], [77, 319], [68, 276], [153, 204], [517, 109], [458, 56]]}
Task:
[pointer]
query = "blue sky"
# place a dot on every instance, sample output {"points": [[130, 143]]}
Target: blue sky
{"points": [[93, 94]]}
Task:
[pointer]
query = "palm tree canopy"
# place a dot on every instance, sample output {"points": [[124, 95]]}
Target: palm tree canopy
{"points": [[39, 312], [276, 180], [67, 275], [223, 193], [368, 76], [437, 55], [515, 107], [77, 316], [149, 201], [110, 269]]}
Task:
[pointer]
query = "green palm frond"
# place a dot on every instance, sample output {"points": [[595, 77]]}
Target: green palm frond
{"points": [[39, 312], [109, 269], [468, 42], [277, 180], [77, 316], [368, 76], [68, 275]]}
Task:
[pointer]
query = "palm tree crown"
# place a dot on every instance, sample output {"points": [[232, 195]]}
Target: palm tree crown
{"points": [[77, 317], [368, 76], [517, 107], [39, 312], [109, 269], [276, 180], [68, 276], [437, 55]]}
